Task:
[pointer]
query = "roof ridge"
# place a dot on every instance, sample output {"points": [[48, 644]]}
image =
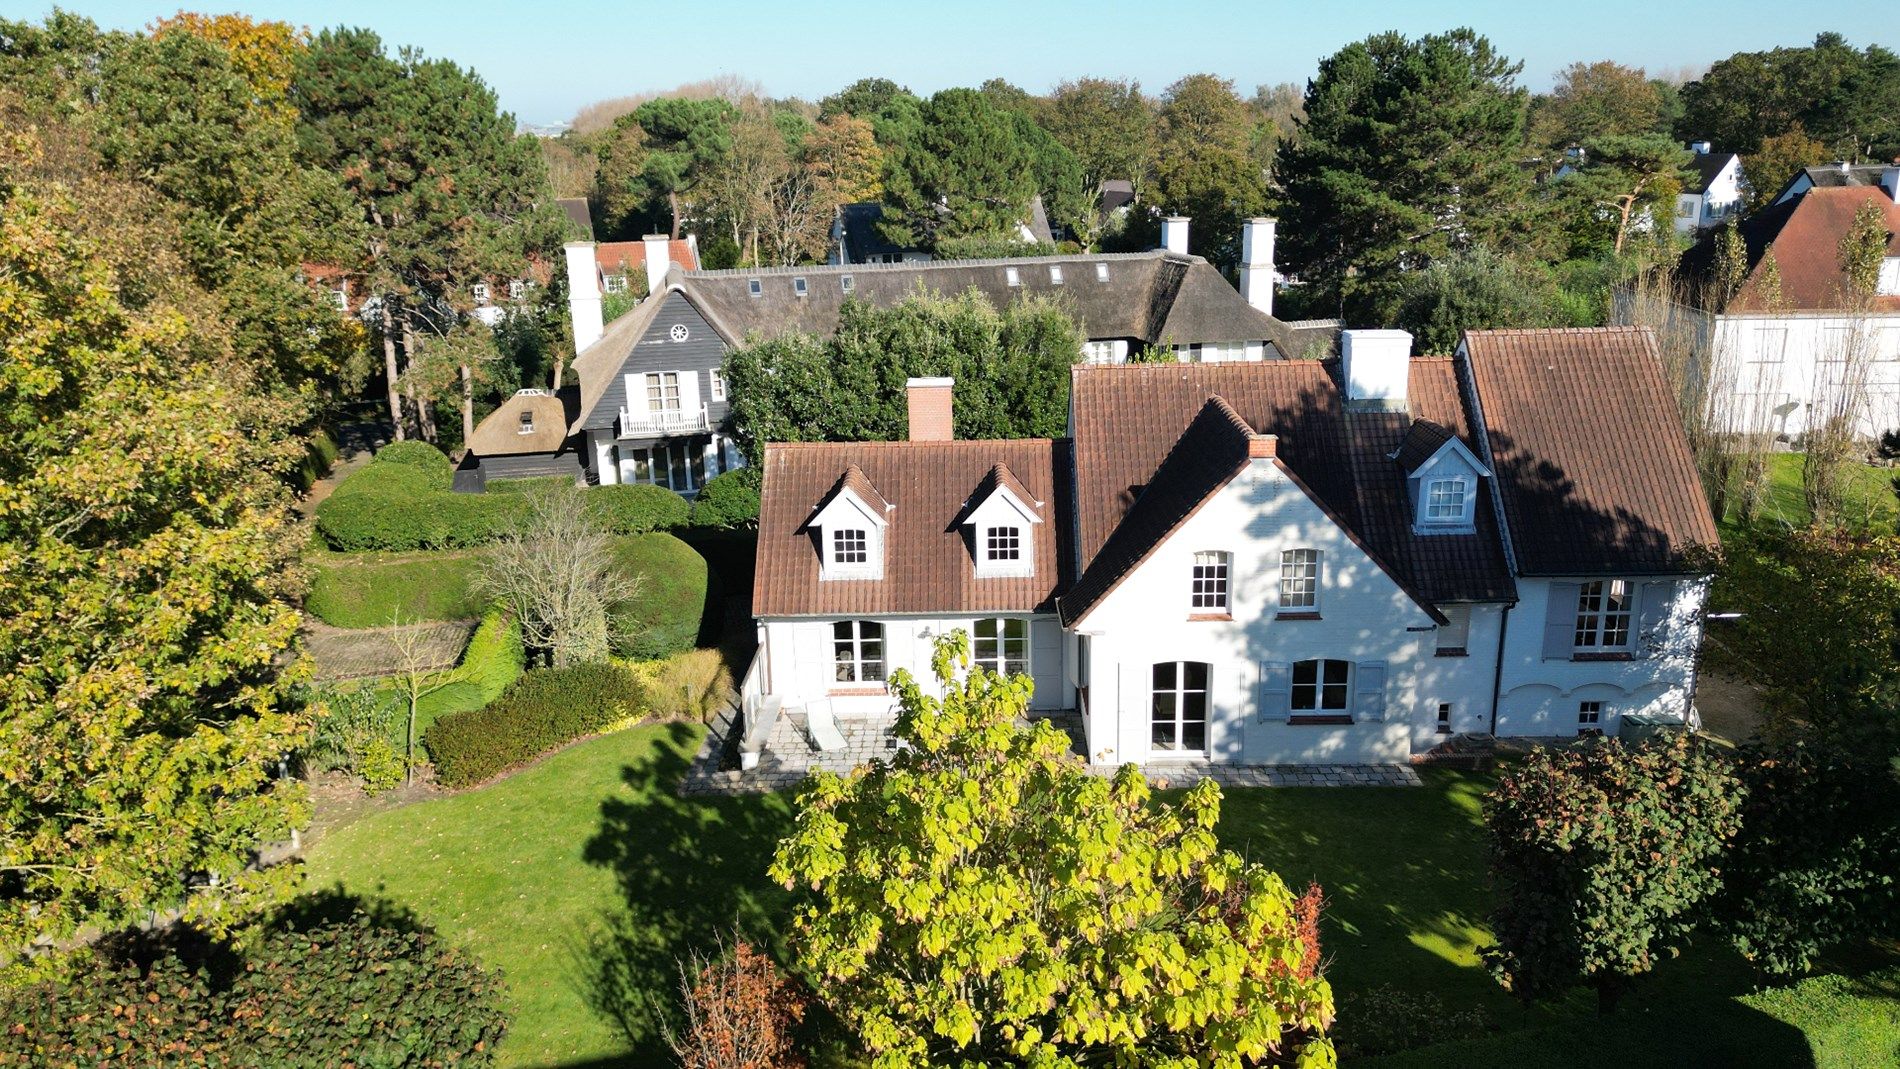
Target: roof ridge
{"points": [[907, 442], [926, 265]]}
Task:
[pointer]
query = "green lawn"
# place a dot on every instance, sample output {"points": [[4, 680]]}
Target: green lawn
{"points": [[367, 589], [585, 877], [1873, 505]]}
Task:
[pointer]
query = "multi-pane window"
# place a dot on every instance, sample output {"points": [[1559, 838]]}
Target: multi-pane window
{"points": [[850, 546], [1179, 713], [1444, 718], [517, 290], [616, 283], [527, 423], [1320, 686], [1445, 500], [479, 291], [663, 391], [1299, 579], [1002, 646], [857, 651], [341, 297], [1003, 543], [718, 385], [1589, 717], [847, 283], [1210, 581], [1603, 615]]}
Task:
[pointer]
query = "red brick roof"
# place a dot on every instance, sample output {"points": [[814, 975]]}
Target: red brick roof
{"points": [[1589, 451], [1806, 233], [609, 255], [928, 564]]}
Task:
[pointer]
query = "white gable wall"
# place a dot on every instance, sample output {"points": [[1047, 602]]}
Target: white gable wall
{"points": [[1364, 617], [1777, 364]]}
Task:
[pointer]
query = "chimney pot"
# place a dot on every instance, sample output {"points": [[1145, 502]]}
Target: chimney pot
{"points": [[583, 294], [1377, 368], [929, 402], [1174, 234]]}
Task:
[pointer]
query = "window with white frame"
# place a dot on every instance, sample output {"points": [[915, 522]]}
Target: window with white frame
{"points": [[1604, 608], [1178, 714], [663, 391], [1209, 590], [1055, 274], [616, 283], [1098, 352], [1444, 718], [479, 291], [1321, 686], [1003, 544], [1101, 272], [1012, 276], [517, 290], [1299, 579], [1002, 646], [798, 287], [857, 651], [527, 423], [753, 287], [1446, 500], [847, 283], [341, 297], [1455, 632], [1589, 718], [850, 545], [718, 384]]}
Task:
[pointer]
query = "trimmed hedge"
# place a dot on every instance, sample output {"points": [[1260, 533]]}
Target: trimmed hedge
{"points": [[637, 508], [541, 711], [729, 500], [402, 500], [352, 992]]}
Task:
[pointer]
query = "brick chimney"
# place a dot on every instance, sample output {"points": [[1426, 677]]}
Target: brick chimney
{"points": [[1174, 234], [583, 294], [930, 418]]}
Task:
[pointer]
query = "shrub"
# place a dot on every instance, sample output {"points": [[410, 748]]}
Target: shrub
{"points": [[354, 734], [637, 508], [355, 992], [729, 500], [541, 711], [1604, 858], [1386, 1019], [689, 685], [417, 455], [402, 500], [741, 1011]]}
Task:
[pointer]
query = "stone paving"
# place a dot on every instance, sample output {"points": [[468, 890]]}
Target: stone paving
{"points": [[788, 756]]}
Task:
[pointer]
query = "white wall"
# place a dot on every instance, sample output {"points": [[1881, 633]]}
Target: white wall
{"points": [[799, 663], [1364, 617], [1539, 696], [1777, 396]]}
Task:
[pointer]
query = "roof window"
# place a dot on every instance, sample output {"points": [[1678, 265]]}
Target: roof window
{"points": [[1011, 276], [1101, 272], [1055, 274], [847, 283], [798, 287], [753, 287]]}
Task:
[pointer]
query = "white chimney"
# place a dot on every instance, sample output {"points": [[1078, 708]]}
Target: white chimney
{"points": [[1890, 177], [657, 259], [1174, 234], [1256, 263], [1376, 366], [1700, 148], [583, 294]]}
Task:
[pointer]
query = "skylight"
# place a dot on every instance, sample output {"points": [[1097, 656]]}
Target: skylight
{"points": [[1101, 272], [753, 287], [1055, 274], [798, 286], [848, 284], [1010, 275]]}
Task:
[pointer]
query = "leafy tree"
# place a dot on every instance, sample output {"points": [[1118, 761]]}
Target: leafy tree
{"points": [[1847, 99], [843, 153], [555, 571], [1204, 166], [264, 53], [1011, 367], [1626, 183], [1410, 150], [685, 141], [1604, 859], [1595, 100], [146, 565], [1474, 289], [1107, 124], [982, 899], [1768, 169], [967, 172], [866, 98]]}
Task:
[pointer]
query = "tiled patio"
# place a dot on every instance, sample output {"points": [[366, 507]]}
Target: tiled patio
{"points": [[788, 756]]}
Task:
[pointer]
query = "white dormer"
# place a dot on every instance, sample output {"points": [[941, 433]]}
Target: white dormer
{"points": [[1002, 522], [850, 527], [1442, 479]]}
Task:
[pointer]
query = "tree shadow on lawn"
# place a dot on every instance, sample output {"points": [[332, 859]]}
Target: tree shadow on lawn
{"points": [[690, 870]]}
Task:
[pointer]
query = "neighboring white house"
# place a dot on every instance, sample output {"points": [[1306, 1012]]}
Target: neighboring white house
{"points": [[1785, 346], [1283, 562], [1716, 193]]}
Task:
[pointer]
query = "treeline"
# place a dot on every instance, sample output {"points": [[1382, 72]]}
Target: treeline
{"points": [[1417, 182]]}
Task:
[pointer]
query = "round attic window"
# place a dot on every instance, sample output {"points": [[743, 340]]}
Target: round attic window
{"points": [[678, 333]]}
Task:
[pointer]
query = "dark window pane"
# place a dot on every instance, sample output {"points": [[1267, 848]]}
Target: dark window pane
{"points": [[1163, 735], [1164, 676], [1194, 736], [1194, 706], [1305, 673], [1196, 673]]}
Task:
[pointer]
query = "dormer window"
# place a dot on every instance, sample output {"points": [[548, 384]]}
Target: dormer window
{"points": [[517, 290], [1002, 519], [1101, 272], [847, 283], [527, 423], [479, 291], [1447, 501], [850, 546], [1441, 475]]}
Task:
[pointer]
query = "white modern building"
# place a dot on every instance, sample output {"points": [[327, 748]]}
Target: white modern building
{"points": [[1715, 195]]}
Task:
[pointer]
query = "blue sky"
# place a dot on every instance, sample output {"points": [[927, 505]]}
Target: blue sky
{"points": [[548, 59]]}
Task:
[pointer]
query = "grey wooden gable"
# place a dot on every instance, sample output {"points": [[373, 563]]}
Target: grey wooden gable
{"points": [[700, 352]]}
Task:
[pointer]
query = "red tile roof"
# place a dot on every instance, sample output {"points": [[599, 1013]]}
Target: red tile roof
{"points": [[928, 564], [1806, 233], [1589, 451], [611, 255]]}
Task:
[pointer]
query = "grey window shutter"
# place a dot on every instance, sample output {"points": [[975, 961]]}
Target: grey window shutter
{"points": [[1560, 622], [1276, 691], [1368, 698], [1658, 598]]}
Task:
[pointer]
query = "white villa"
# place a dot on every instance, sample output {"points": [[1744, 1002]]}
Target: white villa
{"points": [[1274, 563]]}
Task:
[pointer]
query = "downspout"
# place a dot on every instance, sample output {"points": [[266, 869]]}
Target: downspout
{"points": [[1497, 667]]}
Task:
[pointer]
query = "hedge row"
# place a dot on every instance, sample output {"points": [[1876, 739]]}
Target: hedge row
{"points": [[402, 500], [541, 711], [353, 992]]}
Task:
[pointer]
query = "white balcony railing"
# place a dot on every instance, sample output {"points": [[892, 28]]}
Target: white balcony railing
{"points": [[659, 421]]}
